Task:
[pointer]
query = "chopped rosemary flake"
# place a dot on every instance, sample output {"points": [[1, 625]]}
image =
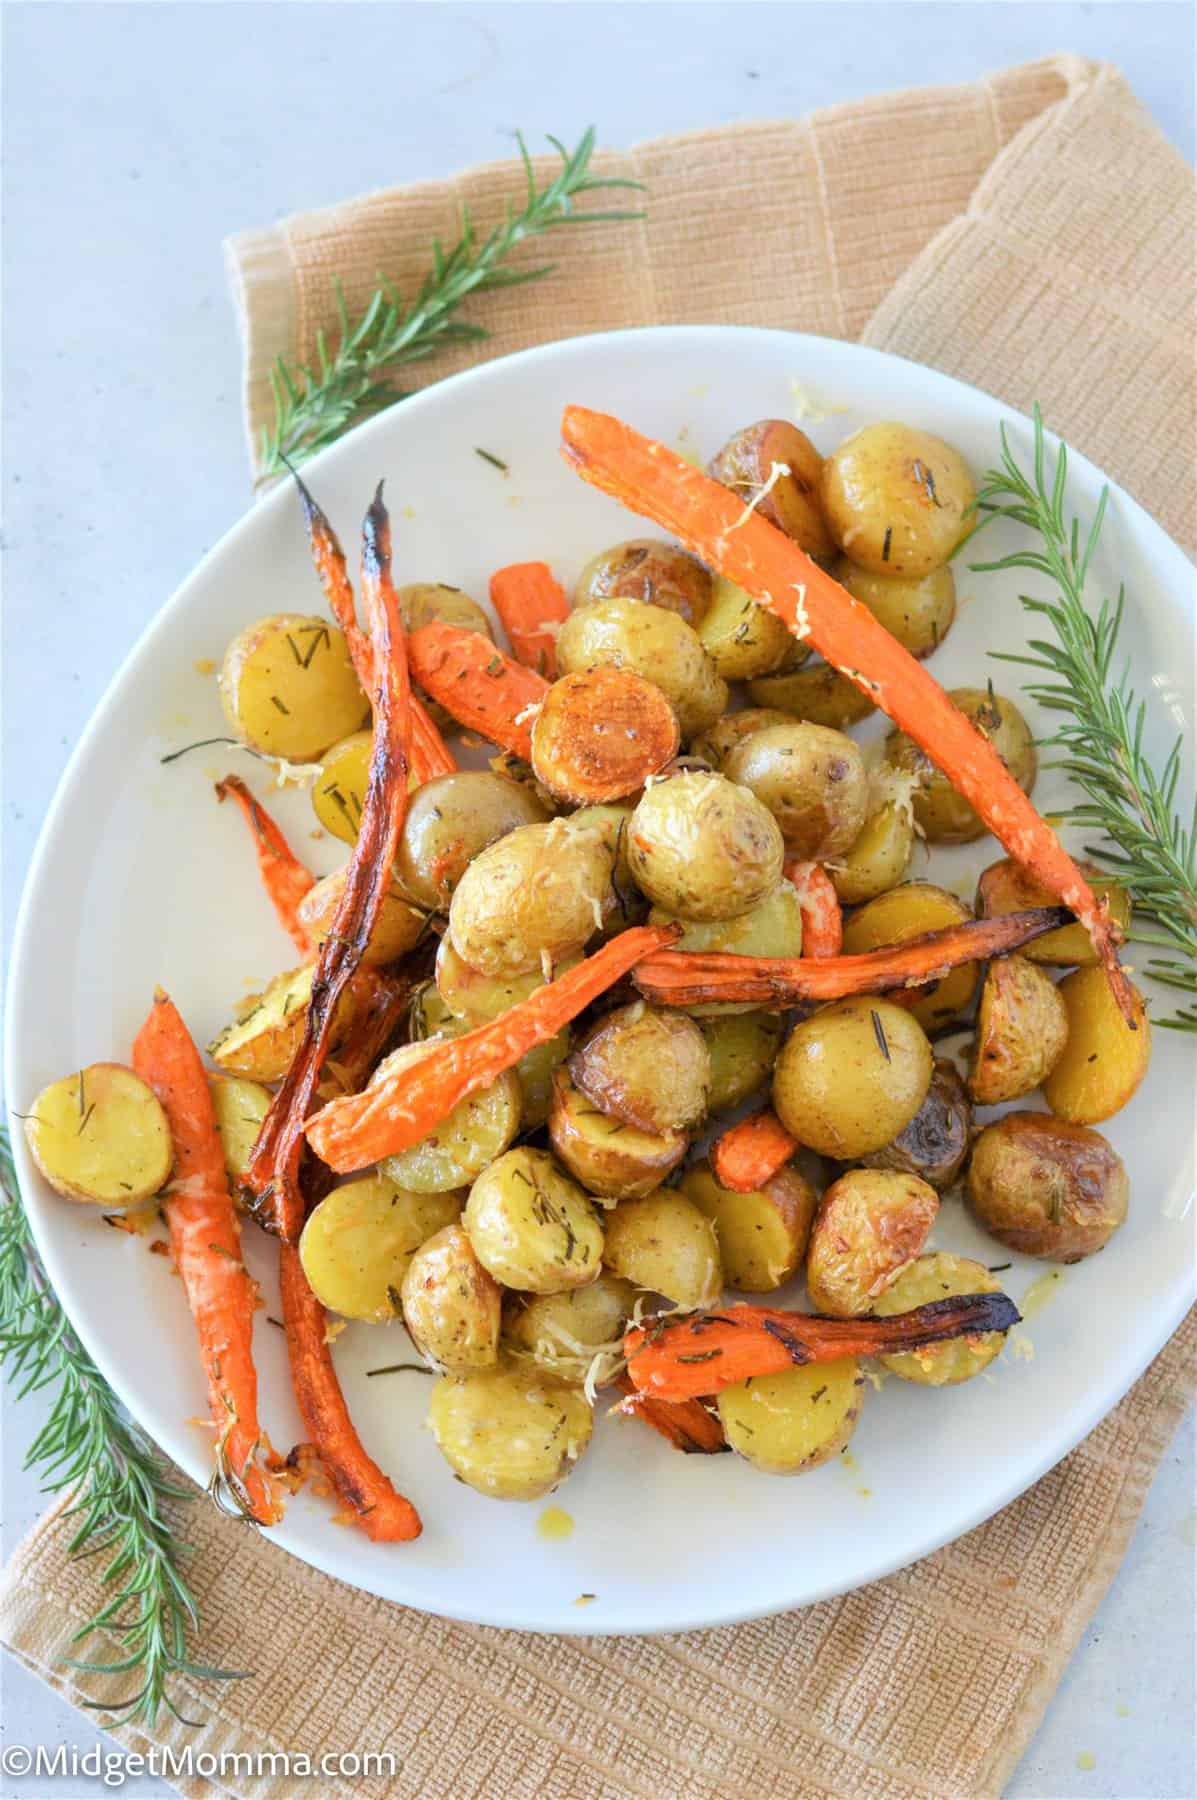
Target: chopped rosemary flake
{"points": [[400, 1369], [84, 1120], [889, 532], [879, 1034], [294, 649], [320, 637], [701, 1356], [999, 1268], [496, 462], [275, 701]]}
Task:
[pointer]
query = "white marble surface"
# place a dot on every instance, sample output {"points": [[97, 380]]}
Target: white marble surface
{"points": [[136, 137]]}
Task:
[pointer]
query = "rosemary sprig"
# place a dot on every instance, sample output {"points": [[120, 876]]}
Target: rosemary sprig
{"points": [[1144, 841], [121, 1484], [314, 405]]}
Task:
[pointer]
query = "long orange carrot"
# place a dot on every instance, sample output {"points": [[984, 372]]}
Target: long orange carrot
{"points": [[749, 1154], [400, 1107], [686, 1424], [527, 599], [483, 689], [733, 538], [694, 977], [206, 1241], [822, 920], [283, 875]]}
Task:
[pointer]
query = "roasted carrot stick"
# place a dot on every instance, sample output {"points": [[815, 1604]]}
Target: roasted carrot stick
{"points": [[527, 599], [206, 1241], [733, 538], [693, 977], [401, 1107], [822, 920], [749, 1154], [430, 755], [709, 1351], [686, 1424], [283, 875], [483, 689]]}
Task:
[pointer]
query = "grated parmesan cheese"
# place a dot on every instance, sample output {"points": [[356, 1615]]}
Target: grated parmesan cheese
{"points": [[808, 406]]}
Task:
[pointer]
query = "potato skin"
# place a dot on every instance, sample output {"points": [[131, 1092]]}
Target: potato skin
{"points": [[646, 1066], [762, 1235], [449, 821], [626, 634], [743, 638], [538, 893], [838, 1091], [897, 499], [664, 1243], [935, 1143], [937, 1276], [101, 1136], [742, 1047], [397, 929], [613, 1160], [918, 610], [726, 733], [452, 1308], [1006, 887], [772, 928], [870, 1224], [905, 912], [791, 1422], [563, 1332], [1021, 1030], [1045, 1187], [532, 1228], [818, 693], [879, 858], [652, 571], [358, 1243], [811, 779], [793, 503], [1103, 1061], [945, 816], [600, 733], [513, 1432], [339, 791], [288, 686], [479, 1128], [703, 848]]}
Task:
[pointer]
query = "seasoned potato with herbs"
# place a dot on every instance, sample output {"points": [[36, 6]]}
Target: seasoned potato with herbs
{"points": [[397, 929], [1103, 1061], [626, 634], [358, 1242], [531, 899], [742, 1047], [879, 857], [564, 1332], [513, 1432], [1021, 1030], [943, 815], [728, 731], [479, 1128], [787, 1423], [703, 848], [665, 1243], [918, 610], [268, 1029], [101, 1135], [534, 1072], [818, 693], [426, 602], [473, 997], [626, 905], [939, 1276], [600, 734], [1006, 887], [772, 928], [647, 1066], [531, 1226], [613, 1160], [746, 464], [935, 1143], [907, 912], [650, 570], [811, 779], [240, 1107], [339, 791], [452, 1308], [288, 687], [852, 1076], [1045, 1187], [897, 499], [762, 1235], [870, 1224], [743, 638], [448, 822]]}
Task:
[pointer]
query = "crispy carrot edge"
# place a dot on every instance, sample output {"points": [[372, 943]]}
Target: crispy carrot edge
{"points": [[749, 1154], [284, 877], [527, 598], [482, 688], [686, 1424], [822, 920], [715, 525], [206, 1242]]}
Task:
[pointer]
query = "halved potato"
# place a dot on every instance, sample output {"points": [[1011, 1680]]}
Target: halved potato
{"points": [[532, 1227], [268, 1029], [870, 1224], [651, 570], [613, 1160], [288, 686], [879, 858], [1006, 887], [1103, 1061], [762, 1235], [564, 1332], [1022, 1027], [452, 1308], [358, 1243], [935, 1143], [339, 791], [787, 1423], [743, 638], [102, 1136], [647, 1066], [474, 997], [397, 929], [511, 1432], [665, 1243], [600, 734], [938, 1276], [240, 1107]]}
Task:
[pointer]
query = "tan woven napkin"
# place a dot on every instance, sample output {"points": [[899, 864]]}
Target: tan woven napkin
{"points": [[1031, 233]]}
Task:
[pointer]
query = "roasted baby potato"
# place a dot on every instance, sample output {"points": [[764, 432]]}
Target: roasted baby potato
{"points": [[1045, 1187], [426, 602], [1103, 1061], [743, 638], [746, 464], [918, 610], [474, 997], [339, 791], [1021, 1030], [397, 929], [479, 1128], [935, 1143], [703, 848], [535, 1072], [649, 570], [727, 732], [600, 734], [448, 822], [742, 1047], [1006, 887], [811, 779], [943, 814], [870, 1224], [852, 1076], [101, 1135], [533, 898], [879, 857], [268, 1029], [772, 928], [762, 1235], [646, 1066], [564, 1332], [452, 1308], [359, 1241], [512, 1432], [937, 1276], [531, 1226], [288, 687], [897, 499], [906, 912], [626, 634], [613, 1160], [665, 1243], [787, 1423], [240, 1107], [626, 905], [817, 693]]}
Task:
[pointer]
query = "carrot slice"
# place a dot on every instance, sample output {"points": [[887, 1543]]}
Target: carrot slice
{"points": [[686, 1424], [206, 1241], [733, 538], [693, 977], [600, 734], [527, 600], [283, 875], [402, 1106], [483, 689], [749, 1154], [710, 1351], [822, 920]]}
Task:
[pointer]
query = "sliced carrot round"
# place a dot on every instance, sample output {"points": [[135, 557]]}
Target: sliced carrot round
{"points": [[600, 734]]}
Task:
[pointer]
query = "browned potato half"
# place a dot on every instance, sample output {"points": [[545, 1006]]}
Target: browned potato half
{"points": [[907, 912], [449, 821], [1103, 1061], [852, 1076], [1045, 1187], [339, 791], [468, 1140], [726, 733], [600, 734], [880, 856], [397, 929], [240, 1107], [762, 1235], [663, 1242], [564, 1332], [787, 1423], [512, 1432], [646, 1066], [101, 1135], [358, 1243], [531, 1226], [650, 570], [918, 610], [654, 643], [772, 928], [1006, 887], [531, 899], [943, 815], [613, 1160], [452, 1308], [935, 1143], [897, 499], [426, 602], [704, 848], [1021, 1030], [473, 997], [937, 1276], [817, 693], [746, 464], [288, 687], [742, 1047], [811, 779], [743, 638], [268, 1028], [870, 1224]]}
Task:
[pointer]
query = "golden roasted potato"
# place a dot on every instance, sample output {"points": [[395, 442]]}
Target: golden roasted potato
{"points": [[935, 1143], [600, 734], [647, 1066], [772, 928], [240, 1107], [535, 1072], [1103, 1061], [762, 1235], [479, 1128], [663, 1242], [897, 499], [870, 1224], [473, 997], [918, 610], [397, 929], [746, 464], [564, 1332], [358, 1243], [726, 733], [1045, 1187], [650, 570], [880, 856], [513, 1432], [452, 1308], [101, 1135], [626, 634], [339, 791], [811, 779], [626, 905], [742, 1047], [531, 1226], [938, 1276], [268, 1029], [613, 1160], [787, 1423], [743, 638], [943, 815], [906, 912], [703, 848], [1006, 887], [426, 602], [852, 1076], [288, 687], [428, 1015], [818, 693], [448, 822], [1021, 1030], [533, 898]]}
